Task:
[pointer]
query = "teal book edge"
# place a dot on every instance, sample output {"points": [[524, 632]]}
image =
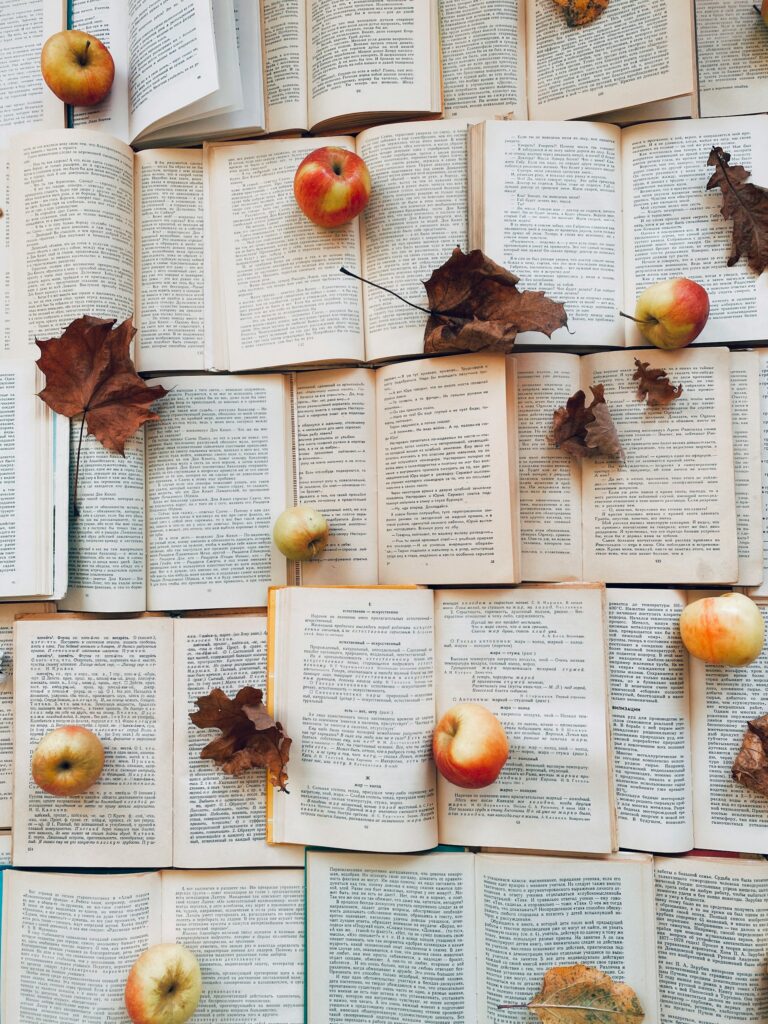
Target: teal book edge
{"points": [[69, 115]]}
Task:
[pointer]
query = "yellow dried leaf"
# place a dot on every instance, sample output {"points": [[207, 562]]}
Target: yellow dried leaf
{"points": [[585, 995], [582, 12]]}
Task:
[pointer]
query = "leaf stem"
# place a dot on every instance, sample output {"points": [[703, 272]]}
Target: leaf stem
{"points": [[76, 510]]}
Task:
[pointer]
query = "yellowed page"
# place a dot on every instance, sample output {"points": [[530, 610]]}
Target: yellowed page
{"points": [[285, 50], [5, 253], [747, 464], [732, 58], [762, 589], [110, 23], [25, 100]]}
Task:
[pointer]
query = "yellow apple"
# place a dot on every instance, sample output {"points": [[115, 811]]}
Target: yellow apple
{"points": [[164, 985], [77, 67], [68, 761], [469, 746], [724, 630], [300, 533]]}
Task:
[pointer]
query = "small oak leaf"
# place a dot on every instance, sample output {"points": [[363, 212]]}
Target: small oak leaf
{"points": [[751, 765], [746, 205], [654, 385], [586, 431], [582, 12]]}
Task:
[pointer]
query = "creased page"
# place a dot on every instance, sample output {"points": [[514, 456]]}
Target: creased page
{"points": [[650, 713], [215, 485], [219, 819], [665, 179], [550, 480], [109, 22], [536, 658], [391, 939], [732, 58], [445, 508], [334, 413], [253, 968], [727, 816], [114, 678], [666, 512], [354, 689], [25, 99], [285, 50], [534, 913], [69, 941], [417, 214], [747, 465], [762, 589], [711, 921]]}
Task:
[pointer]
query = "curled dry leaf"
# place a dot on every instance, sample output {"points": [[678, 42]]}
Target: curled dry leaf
{"points": [[746, 205], [654, 385], [584, 995], [250, 737], [751, 765], [582, 12], [586, 430]]}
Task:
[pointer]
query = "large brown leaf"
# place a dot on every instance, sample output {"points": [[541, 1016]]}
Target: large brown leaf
{"points": [[584, 995], [654, 385], [582, 12], [586, 430], [250, 737], [751, 765], [746, 205], [475, 305]]}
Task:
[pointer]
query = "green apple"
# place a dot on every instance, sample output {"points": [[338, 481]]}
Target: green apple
{"points": [[300, 533], [724, 630]]}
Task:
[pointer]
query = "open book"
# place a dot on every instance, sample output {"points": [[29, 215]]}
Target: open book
{"points": [[453, 936], [732, 58], [358, 677], [25, 100], [246, 929]]}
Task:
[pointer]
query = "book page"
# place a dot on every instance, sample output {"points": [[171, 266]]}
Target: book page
{"points": [[215, 485], [390, 939], [445, 510], [550, 480], [352, 684], [762, 589], [72, 235], [114, 678], [284, 300], [5, 849], [253, 968], [219, 819], [665, 179], [285, 51], [667, 513], [483, 47], [558, 230], [25, 100], [727, 816], [702, 906], [537, 912], [639, 51], [536, 658], [5, 253], [109, 22], [747, 464], [416, 215], [732, 58], [70, 941], [650, 714], [334, 426]]}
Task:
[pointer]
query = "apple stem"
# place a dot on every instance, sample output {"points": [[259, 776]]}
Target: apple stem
{"points": [[423, 309], [75, 509], [83, 60], [756, 8], [651, 320]]}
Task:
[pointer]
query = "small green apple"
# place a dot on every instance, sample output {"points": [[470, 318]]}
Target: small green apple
{"points": [[300, 533]]}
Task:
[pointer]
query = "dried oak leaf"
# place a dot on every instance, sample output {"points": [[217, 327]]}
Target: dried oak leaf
{"points": [[654, 385], [751, 765], [746, 205], [475, 305], [250, 737], [89, 371], [584, 995], [586, 430], [582, 12]]}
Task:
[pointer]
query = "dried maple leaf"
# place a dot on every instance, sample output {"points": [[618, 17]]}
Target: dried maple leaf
{"points": [[654, 385], [474, 304], [583, 995], [250, 737], [746, 204], [751, 765], [582, 12], [585, 430]]}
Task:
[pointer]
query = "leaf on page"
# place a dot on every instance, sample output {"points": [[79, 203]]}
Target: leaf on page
{"points": [[582, 12], [746, 204], [585, 431], [751, 765], [583, 995], [250, 737], [654, 385], [475, 305]]}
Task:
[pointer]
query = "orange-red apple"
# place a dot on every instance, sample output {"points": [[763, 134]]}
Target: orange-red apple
{"points": [[77, 67], [469, 746], [164, 985], [300, 533], [724, 630], [68, 761], [763, 10], [332, 186], [672, 314]]}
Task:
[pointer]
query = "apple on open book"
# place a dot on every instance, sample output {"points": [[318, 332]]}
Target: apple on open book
{"points": [[469, 746], [77, 67], [164, 985], [68, 761]]}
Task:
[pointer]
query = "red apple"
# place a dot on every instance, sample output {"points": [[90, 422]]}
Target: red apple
{"points": [[724, 630], [332, 186], [164, 985], [77, 67], [671, 314], [67, 761], [763, 11], [300, 533], [469, 746]]}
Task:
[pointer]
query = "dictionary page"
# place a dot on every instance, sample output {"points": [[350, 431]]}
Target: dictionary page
{"points": [[747, 464], [351, 680], [216, 482], [253, 969], [536, 658], [285, 58], [667, 512], [25, 100], [711, 916], [732, 57], [648, 669], [219, 819], [97, 925], [762, 589], [391, 939]]}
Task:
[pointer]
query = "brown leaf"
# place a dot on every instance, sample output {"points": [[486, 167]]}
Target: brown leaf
{"points": [[89, 371], [746, 205], [480, 307], [584, 995], [751, 765], [582, 12], [250, 737], [654, 385], [586, 431]]}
